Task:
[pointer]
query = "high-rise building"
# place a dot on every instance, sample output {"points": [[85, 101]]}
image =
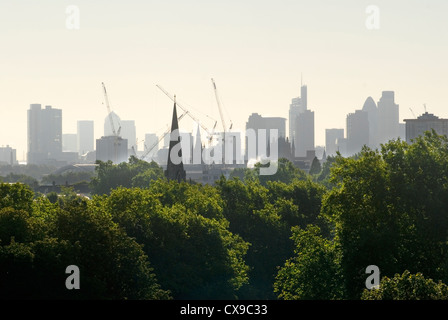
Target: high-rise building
{"points": [[129, 132], [357, 131], [85, 135], [112, 148], [8, 155], [69, 142], [388, 118], [372, 114], [151, 142], [304, 138], [301, 125], [331, 140], [44, 134], [425, 122], [257, 122], [297, 106], [108, 131]]}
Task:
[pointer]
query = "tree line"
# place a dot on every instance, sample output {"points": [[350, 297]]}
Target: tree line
{"points": [[292, 235]]}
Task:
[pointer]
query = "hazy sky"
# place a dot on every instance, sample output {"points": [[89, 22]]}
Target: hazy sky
{"points": [[255, 50]]}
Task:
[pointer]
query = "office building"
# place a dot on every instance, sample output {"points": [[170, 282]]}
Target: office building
{"points": [[129, 132], [8, 156], [388, 118], [116, 121], [69, 142], [85, 136], [257, 122], [357, 131], [331, 140], [152, 144], [44, 134], [304, 138], [372, 114], [112, 148], [425, 122]]}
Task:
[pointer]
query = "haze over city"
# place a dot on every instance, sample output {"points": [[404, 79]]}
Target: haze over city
{"points": [[258, 52]]}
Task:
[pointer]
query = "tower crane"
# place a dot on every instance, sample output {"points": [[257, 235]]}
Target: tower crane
{"points": [[111, 120], [210, 134], [220, 108], [413, 113], [148, 150], [116, 134]]}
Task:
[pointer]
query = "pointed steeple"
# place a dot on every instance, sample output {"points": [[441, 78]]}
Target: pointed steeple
{"points": [[175, 167], [197, 151]]}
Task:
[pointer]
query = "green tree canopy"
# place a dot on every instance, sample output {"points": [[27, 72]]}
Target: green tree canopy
{"points": [[407, 286]]}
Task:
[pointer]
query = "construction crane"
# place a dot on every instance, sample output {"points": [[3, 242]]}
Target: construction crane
{"points": [[210, 134], [220, 107], [148, 150], [413, 113], [116, 134], [111, 120]]}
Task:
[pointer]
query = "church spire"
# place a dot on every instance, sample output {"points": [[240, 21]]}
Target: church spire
{"points": [[175, 167]]}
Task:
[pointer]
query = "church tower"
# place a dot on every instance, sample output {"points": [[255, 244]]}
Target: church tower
{"points": [[175, 170]]}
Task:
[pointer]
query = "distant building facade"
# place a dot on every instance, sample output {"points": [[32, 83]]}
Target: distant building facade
{"points": [[332, 137], [357, 131], [304, 138], [85, 136], [257, 122], [425, 122], [388, 118], [112, 148], [44, 134], [8, 155]]}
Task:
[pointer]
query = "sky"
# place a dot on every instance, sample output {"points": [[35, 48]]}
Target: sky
{"points": [[258, 53]]}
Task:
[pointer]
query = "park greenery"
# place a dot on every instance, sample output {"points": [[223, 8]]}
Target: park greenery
{"points": [[292, 235]]}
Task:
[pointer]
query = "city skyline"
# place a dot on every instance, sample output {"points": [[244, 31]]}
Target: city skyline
{"points": [[258, 53]]}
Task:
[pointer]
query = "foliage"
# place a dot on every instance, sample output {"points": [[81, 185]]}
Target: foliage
{"points": [[135, 173], [195, 257], [313, 273], [389, 208], [407, 286]]}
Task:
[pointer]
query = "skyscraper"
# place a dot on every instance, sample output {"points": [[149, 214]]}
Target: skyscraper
{"points": [[332, 136], [301, 124], [304, 138], [151, 142], [372, 113], [388, 118], [257, 122], [112, 148], [44, 134], [297, 106], [129, 132], [357, 131], [108, 126], [85, 136]]}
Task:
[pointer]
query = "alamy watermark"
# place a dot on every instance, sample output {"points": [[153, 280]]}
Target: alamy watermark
{"points": [[72, 20], [228, 150], [373, 280], [373, 17], [73, 280]]}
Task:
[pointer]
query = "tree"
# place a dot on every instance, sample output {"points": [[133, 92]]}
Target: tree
{"points": [[389, 208], [136, 173], [194, 256], [316, 167], [286, 172], [314, 272], [407, 286]]}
